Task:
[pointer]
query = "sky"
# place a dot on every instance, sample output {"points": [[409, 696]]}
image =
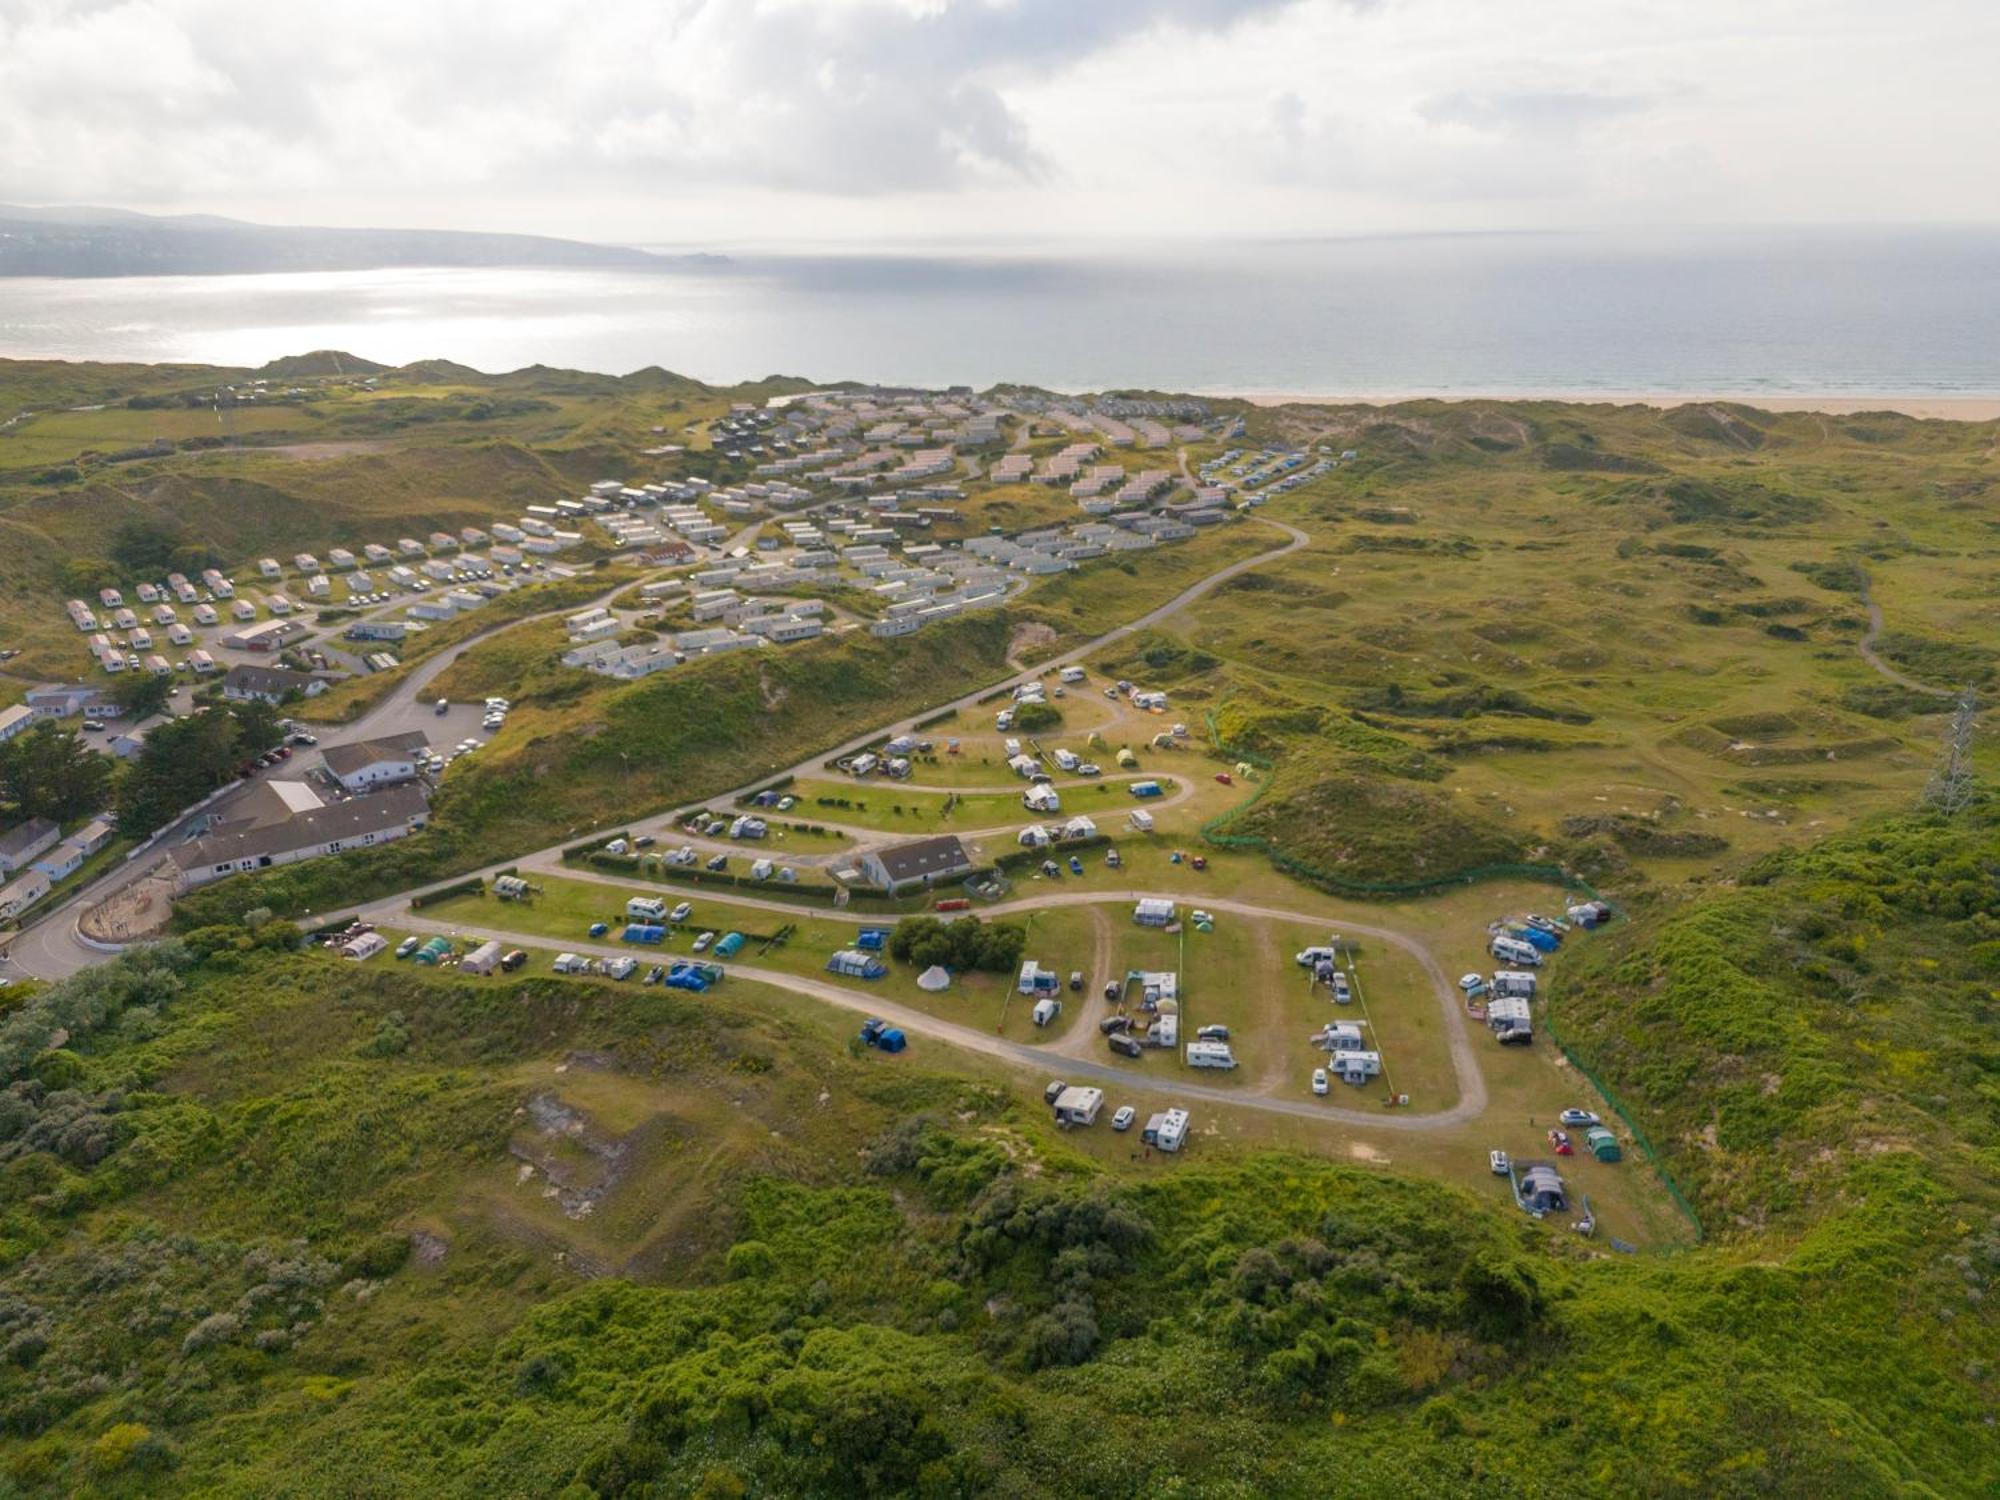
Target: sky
{"points": [[733, 124]]}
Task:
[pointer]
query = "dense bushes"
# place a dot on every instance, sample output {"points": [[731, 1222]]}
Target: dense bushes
{"points": [[964, 945]]}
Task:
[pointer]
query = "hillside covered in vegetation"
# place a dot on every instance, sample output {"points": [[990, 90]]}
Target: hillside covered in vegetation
{"points": [[268, 1230]]}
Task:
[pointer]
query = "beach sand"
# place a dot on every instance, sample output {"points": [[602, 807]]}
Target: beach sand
{"points": [[1935, 408]]}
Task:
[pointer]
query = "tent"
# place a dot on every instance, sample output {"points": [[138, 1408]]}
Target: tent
{"points": [[934, 978]]}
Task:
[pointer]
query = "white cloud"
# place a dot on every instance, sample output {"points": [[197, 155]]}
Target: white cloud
{"points": [[755, 119]]}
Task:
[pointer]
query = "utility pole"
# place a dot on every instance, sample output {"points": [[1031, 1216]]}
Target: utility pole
{"points": [[1949, 790]]}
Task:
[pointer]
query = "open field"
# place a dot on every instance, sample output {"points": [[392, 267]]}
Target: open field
{"points": [[283, 1223]]}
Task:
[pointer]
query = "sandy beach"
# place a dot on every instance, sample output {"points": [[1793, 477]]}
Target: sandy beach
{"points": [[1932, 408]]}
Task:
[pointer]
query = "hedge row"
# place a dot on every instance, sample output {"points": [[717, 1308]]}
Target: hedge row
{"points": [[473, 887]]}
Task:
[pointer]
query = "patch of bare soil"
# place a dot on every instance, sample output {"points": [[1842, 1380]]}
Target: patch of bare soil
{"points": [[139, 911], [1029, 637]]}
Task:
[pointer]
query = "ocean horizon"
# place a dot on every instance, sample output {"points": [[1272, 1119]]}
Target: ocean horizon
{"points": [[1847, 313]]}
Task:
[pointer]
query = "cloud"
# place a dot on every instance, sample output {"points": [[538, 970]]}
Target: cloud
{"points": [[155, 98], [1548, 112]]}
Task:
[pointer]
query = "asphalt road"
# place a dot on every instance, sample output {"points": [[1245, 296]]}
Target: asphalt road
{"points": [[50, 949]]}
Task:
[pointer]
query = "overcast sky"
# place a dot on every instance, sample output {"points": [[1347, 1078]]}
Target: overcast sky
{"points": [[734, 123]]}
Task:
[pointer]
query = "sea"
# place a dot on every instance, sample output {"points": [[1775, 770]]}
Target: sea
{"points": [[1774, 312]]}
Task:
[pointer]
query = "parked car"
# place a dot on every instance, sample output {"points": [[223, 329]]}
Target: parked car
{"points": [[644, 841], [1212, 1034], [303, 739], [93, 726], [1114, 1023], [513, 960], [598, 929], [681, 913], [720, 862], [1578, 1118], [443, 707], [1498, 1162], [1076, 981], [1075, 865], [1516, 1036], [1200, 861], [1124, 1118], [702, 940], [405, 948], [1320, 1084]]}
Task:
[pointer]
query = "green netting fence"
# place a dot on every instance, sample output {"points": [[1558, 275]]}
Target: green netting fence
{"points": [[1618, 1108], [1215, 832]]}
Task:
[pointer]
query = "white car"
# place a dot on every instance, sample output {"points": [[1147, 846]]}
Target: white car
{"points": [[681, 913], [702, 941], [1320, 1084], [1500, 1165], [1578, 1117], [1124, 1118], [500, 705], [1472, 984]]}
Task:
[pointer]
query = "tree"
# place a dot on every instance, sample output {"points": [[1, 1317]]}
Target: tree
{"points": [[49, 772], [185, 759], [141, 694], [82, 577]]}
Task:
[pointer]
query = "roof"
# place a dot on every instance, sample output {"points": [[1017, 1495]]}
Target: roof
{"points": [[942, 855], [355, 817], [23, 839], [275, 681], [18, 714], [345, 760]]}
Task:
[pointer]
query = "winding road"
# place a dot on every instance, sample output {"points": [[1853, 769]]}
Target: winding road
{"points": [[1866, 646]]}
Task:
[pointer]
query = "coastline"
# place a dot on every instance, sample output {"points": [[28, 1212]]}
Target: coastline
{"points": [[1927, 408]]}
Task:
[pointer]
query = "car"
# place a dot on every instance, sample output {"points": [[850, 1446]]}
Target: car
{"points": [[644, 841], [1212, 1034], [1499, 1164], [598, 929], [655, 974], [1052, 1091], [442, 707], [1124, 1118], [1114, 859], [702, 940], [283, 752], [499, 703], [1320, 1084], [681, 913], [1225, 778], [786, 804], [306, 740], [1090, 768], [1474, 985], [1578, 1118], [1559, 1142], [93, 726], [1200, 861], [492, 723], [1075, 865], [1113, 989], [513, 960], [1515, 1036], [1114, 1023], [405, 948], [720, 862]]}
